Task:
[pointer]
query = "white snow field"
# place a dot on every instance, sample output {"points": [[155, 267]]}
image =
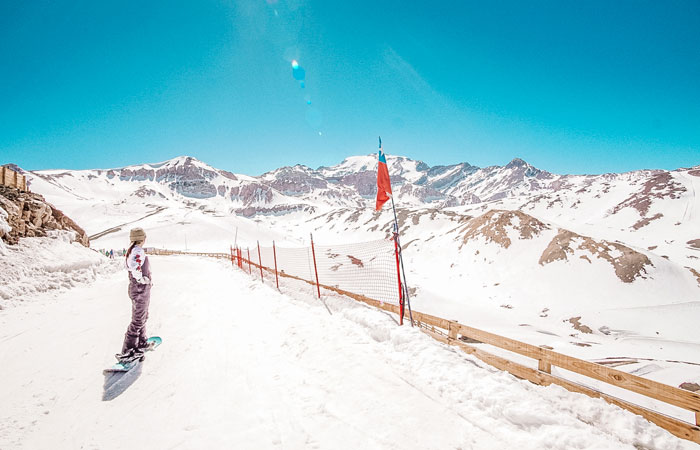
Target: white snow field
{"points": [[245, 366]]}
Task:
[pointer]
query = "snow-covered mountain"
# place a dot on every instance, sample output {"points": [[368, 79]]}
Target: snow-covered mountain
{"points": [[653, 209], [568, 261]]}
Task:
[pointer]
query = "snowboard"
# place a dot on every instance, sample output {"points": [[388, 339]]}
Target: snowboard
{"points": [[155, 341]]}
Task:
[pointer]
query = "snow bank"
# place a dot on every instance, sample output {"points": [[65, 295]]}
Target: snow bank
{"points": [[4, 228], [42, 264]]}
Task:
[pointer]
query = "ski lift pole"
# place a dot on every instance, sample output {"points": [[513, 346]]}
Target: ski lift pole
{"points": [[403, 271]]}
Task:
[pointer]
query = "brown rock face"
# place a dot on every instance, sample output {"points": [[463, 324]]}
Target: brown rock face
{"points": [[628, 265], [493, 224], [695, 243], [660, 185], [295, 182], [252, 193], [30, 215]]}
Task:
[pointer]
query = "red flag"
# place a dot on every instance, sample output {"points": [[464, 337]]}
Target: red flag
{"points": [[383, 182]]}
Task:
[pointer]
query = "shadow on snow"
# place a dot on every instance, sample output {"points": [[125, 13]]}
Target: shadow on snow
{"points": [[118, 382]]}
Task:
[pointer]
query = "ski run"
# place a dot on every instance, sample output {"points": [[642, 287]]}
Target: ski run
{"points": [[244, 365]]}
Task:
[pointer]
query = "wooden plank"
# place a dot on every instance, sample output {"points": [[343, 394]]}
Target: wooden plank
{"points": [[669, 394], [674, 426], [544, 366]]}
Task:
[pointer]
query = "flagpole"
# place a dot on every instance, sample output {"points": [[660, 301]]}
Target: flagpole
{"points": [[403, 271], [398, 244]]}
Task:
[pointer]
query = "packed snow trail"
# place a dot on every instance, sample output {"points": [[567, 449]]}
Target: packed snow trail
{"points": [[245, 366]]}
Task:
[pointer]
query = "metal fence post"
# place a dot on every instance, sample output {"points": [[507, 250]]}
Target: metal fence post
{"points": [[313, 252], [274, 254], [250, 271], [260, 262]]}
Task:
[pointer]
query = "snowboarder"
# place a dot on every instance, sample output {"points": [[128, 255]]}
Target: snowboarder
{"points": [[139, 271]]}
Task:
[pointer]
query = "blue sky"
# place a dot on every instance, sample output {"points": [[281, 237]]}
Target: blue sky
{"points": [[569, 86]]}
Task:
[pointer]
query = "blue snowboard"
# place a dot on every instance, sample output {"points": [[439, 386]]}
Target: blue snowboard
{"points": [[125, 367]]}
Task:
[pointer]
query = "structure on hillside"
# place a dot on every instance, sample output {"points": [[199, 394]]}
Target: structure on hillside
{"points": [[11, 178]]}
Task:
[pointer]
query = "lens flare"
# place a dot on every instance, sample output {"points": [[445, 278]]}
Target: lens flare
{"points": [[295, 64]]}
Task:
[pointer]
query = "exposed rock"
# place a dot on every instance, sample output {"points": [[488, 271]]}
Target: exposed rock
{"points": [[695, 273], [296, 181], [576, 322], [252, 193], [494, 226], [644, 222], [275, 210], [695, 243], [143, 192], [692, 387], [137, 174], [660, 186], [29, 215], [628, 264], [365, 183]]}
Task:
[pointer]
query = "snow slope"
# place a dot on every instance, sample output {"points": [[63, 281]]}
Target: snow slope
{"points": [[243, 365]]}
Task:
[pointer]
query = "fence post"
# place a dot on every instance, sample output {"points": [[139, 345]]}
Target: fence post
{"points": [[274, 254], [260, 262], [452, 329], [313, 252], [398, 275], [544, 366], [231, 255], [250, 271]]}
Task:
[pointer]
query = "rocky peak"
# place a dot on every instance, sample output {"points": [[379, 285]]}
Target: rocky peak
{"points": [[515, 163]]}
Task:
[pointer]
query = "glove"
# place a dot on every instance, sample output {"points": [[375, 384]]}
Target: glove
{"points": [[144, 280]]}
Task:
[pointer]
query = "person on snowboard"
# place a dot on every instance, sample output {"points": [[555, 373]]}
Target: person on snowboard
{"points": [[139, 271]]}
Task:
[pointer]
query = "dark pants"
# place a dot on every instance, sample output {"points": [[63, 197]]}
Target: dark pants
{"points": [[140, 295]]}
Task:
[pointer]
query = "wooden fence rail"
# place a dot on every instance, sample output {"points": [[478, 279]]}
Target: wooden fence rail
{"points": [[453, 333]]}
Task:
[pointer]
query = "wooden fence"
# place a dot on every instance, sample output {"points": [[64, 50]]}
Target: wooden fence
{"points": [[9, 177], [467, 338]]}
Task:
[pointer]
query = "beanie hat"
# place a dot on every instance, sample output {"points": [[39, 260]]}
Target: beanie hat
{"points": [[137, 234]]}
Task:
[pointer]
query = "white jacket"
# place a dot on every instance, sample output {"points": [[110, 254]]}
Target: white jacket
{"points": [[135, 262]]}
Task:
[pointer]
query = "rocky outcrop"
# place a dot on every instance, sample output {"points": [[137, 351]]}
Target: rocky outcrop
{"points": [[660, 186], [296, 181], [273, 211], [30, 215], [252, 193], [494, 226], [628, 264]]}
